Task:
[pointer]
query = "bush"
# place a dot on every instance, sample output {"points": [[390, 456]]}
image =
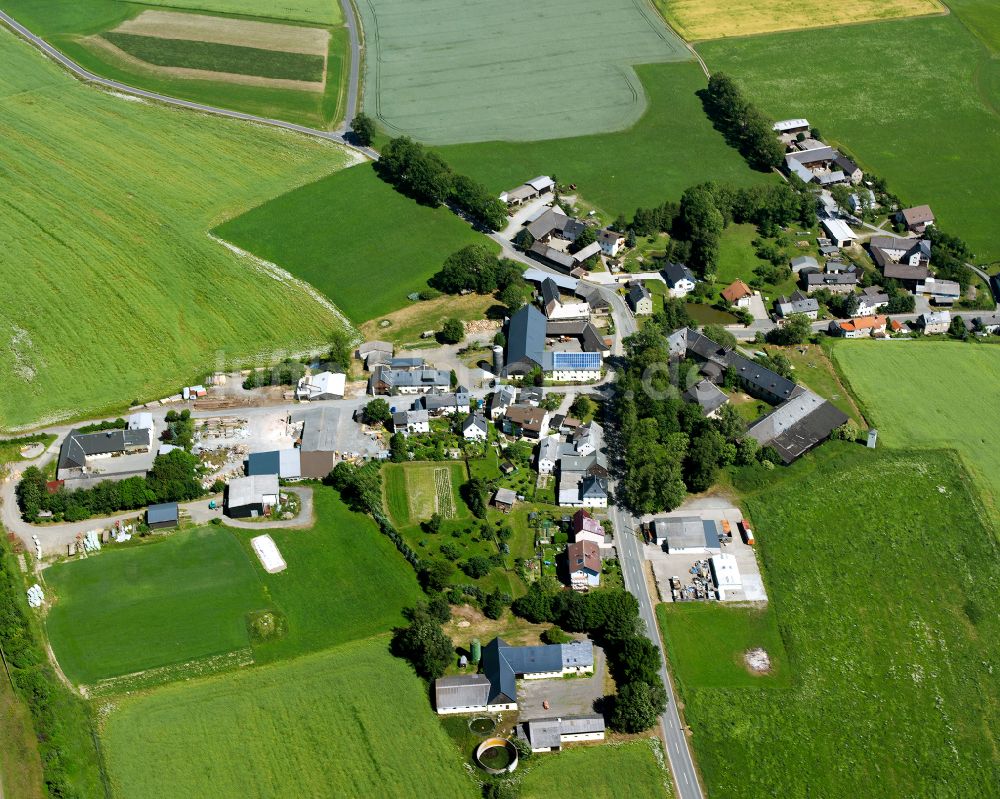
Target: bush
{"points": [[452, 331]]}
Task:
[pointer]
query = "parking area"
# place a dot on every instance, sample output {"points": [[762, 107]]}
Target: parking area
{"points": [[571, 696], [692, 567]]}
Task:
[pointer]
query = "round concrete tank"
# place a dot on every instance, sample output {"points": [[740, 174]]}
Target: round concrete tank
{"points": [[497, 359]]}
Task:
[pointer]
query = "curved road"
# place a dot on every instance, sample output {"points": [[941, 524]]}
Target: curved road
{"points": [[339, 136]]}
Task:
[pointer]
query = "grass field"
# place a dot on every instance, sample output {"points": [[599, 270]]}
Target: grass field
{"points": [[413, 495], [354, 238], [707, 643], [323, 12], [717, 19], [121, 293], [882, 570], [215, 57], [814, 369], [450, 71], [671, 147], [621, 771], [178, 599], [981, 17], [20, 765], [937, 144], [932, 394], [349, 722]]}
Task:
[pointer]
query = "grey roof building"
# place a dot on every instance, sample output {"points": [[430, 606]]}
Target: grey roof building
{"points": [[798, 425], [385, 380], [548, 735], [162, 516], [584, 331], [525, 340], [79, 447], [503, 663], [464, 692], [797, 302], [707, 395], [687, 534]]}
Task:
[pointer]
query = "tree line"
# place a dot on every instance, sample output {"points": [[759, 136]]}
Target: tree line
{"points": [[744, 126], [423, 175]]}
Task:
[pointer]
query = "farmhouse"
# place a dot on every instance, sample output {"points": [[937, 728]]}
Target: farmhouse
{"points": [[839, 233], [583, 560], [940, 292], [557, 310], [586, 528], [525, 341], [475, 428], [640, 300], [374, 353], [917, 219], [286, 463], [251, 496], [322, 386], [444, 404], [707, 396], [870, 300], [796, 303], [160, 517], [610, 242], [680, 280], [390, 381], [531, 190], [860, 327], [83, 453], [835, 282], [738, 293], [412, 421], [525, 421], [797, 425], [687, 535], [791, 127], [549, 735], [935, 322]]}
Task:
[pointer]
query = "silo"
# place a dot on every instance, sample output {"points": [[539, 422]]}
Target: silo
{"points": [[476, 651], [497, 360]]}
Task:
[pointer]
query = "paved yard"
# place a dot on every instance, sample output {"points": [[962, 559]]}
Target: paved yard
{"points": [[566, 697]]}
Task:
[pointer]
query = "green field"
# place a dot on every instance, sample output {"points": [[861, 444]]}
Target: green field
{"points": [[707, 642], [882, 569], [349, 722], [68, 27], [620, 771], [323, 12], [354, 238], [219, 57], [448, 71], [181, 598], [671, 147], [120, 292], [412, 494], [937, 144], [932, 394]]}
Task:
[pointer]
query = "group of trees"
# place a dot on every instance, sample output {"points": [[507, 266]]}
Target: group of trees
{"points": [[180, 429], [475, 268], [423, 175], [745, 126], [173, 478], [422, 642], [611, 618], [950, 256], [286, 373], [796, 330]]}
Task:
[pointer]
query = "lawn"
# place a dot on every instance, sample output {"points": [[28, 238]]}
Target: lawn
{"points": [[180, 598], [718, 19], [413, 495], [814, 369], [707, 643], [881, 568], [121, 294], [931, 394], [355, 238], [219, 57], [448, 71], [406, 324], [618, 771], [673, 146], [349, 722], [938, 144]]}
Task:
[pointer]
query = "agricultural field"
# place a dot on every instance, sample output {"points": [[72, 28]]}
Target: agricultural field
{"points": [[707, 643], [620, 771], [932, 394], [881, 584], [416, 491], [20, 765], [349, 722], [938, 146], [98, 197], [180, 598], [981, 17], [322, 12], [447, 71], [673, 146], [279, 69], [696, 20], [352, 236]]}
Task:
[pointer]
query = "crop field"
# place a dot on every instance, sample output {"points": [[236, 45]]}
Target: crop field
{"points": [[932, 394], [415, 491], [981, 17], [352, 237], [707, 643], [940, 145], [323, 12], [178, 599], [447, 71], [717, 19], [351, 722], [121, 293], [620, 771], [673, 146], [881, 567]]}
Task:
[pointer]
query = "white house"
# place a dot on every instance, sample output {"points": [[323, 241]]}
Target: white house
{"points": [[322, 386], [861, 327], [871, 300], [572, 367], [407, 422], [680, 280], [935, 322], [738, 293], [548, 454], [611, 241], [475, 428], [640, 300]]}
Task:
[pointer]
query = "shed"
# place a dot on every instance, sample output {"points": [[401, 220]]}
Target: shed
{"points": [[505, 499], [159, 517]]}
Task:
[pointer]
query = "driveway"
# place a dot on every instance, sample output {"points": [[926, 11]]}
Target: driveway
{"points": [[566, 697]]}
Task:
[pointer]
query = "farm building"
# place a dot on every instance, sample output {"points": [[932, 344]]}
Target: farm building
{"points": [[286, 463], [250, 497], [573, 367], [835, 282], [549, 735], [557, 310], [163, 516], [791, 127], [803, 262], [140, 421], [640, 300], [525, 341], [917, 219], [940, 292], [797, 425], [707, 396], [505, 499], [725, 574], [533, 189], [839, 232], [583, 562], [465, 693], [82, 453], [322, 386], [687, 535], [320, 434], [587, 336]]}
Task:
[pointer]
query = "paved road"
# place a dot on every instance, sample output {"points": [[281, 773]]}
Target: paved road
{"points": [[337, 136], [354, 79]]}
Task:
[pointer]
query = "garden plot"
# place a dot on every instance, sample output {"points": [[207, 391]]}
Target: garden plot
{"points": [[450, 71]]}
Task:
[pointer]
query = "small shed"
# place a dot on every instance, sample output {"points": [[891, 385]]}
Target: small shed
{"points": [[504, 499], [159, 517]]}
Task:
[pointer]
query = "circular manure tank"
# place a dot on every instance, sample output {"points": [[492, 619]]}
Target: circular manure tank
{"points": [[496, 756]]}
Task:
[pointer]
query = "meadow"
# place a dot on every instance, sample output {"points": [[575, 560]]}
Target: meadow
{"points": [[881, 569], [447, 71], [673, 146], [621, 771], [718, 19], [176, 599], [706, 643], [323, 12], [120, 292], [349, 722], [412, 495], [932, 394], [936, 144], [354, 238], [20, 765]]}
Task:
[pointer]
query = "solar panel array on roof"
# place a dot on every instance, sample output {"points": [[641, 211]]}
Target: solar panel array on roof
{"points": [[576, 360]]}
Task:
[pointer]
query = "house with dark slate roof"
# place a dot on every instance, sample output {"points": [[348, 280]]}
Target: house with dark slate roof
{"points": [[83, 453], [549, 735]]}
